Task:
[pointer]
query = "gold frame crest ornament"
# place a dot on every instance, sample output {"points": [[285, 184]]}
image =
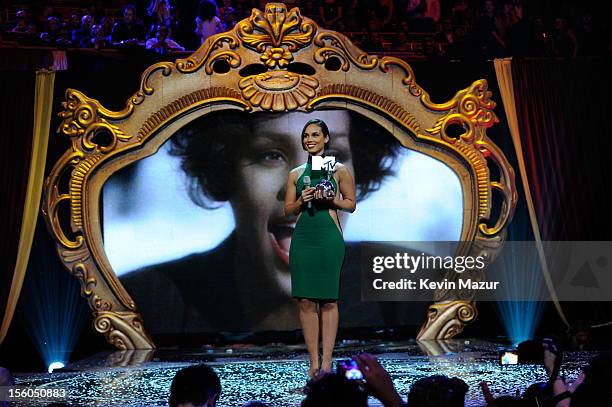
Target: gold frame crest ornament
{"points": [[342, 76]]}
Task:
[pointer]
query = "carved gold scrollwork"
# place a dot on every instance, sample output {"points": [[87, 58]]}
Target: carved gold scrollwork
{"points": [[505, 186], [408, 80], [274, 26], [83, 118], [76, 188], [232, 58], [386, 105], [473, 105], [472, 108], [194, 62], [89, 281], [279, 91], [103, 141], [447, 319], [210, 95], [123, 329], [335, 44], [53, 198], [145, 89], [276, 33], [164, 67], [72, 256]]}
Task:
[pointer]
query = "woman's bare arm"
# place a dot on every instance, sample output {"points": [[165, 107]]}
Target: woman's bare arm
{"points": [[346, 185], [292, 205]]}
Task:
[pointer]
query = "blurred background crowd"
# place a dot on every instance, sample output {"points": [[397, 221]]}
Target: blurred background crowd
{"points": [[428, 29]]}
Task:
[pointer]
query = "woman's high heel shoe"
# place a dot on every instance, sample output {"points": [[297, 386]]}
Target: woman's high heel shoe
{"points": [[325, 370], [313, 373]]}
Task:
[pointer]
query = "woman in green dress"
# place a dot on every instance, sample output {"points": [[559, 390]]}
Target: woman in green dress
{"points": [[317, 247]]}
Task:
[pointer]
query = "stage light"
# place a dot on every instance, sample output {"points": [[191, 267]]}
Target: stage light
{"points": [[54, 366], [520, 319], [52, 307], [522, 276]]}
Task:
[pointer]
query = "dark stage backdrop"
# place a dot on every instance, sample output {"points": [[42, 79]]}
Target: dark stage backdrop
{"points": [[17, 109], [17, 104]]}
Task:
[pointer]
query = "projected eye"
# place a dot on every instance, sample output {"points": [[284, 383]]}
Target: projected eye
{"points": [[272, 157]]}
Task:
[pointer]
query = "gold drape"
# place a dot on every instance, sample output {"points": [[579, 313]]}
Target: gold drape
{"points": [[503, 71], [43, 102]]}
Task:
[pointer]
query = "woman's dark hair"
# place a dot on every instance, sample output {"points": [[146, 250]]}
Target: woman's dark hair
{"points": [[323, 127], [209, 148], [207, 10]]}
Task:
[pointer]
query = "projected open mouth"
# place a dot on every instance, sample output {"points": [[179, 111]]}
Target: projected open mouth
{"points": [[280, 236]]}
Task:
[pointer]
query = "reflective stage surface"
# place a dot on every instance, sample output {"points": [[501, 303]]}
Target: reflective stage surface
{"points": [[276, 374]]}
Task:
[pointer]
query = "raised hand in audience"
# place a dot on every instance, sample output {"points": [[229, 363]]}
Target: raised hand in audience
{"points": [[378, 380]]}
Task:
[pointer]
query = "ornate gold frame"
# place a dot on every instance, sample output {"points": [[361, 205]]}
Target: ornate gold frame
{"points": [[172, 94]]}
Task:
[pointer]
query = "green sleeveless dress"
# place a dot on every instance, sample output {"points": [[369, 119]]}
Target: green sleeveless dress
{"points": [[317, 248]]}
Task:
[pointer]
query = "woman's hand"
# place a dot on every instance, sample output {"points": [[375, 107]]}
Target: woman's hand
{"points": [[486, 392], [308, 194], [550, 357], [378, 380], [579, 380], [294, 206]]}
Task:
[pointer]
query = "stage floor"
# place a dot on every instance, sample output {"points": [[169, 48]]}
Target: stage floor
{"points": [[276, 373]]}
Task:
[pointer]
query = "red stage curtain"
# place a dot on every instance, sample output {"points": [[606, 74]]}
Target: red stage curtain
{"points": [[563, 109], [564, 119]]}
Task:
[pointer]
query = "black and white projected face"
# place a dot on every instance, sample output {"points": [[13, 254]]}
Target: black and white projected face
{"points": [[258, 199], [150, 217]]}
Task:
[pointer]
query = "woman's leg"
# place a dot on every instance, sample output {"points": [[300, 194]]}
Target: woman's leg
{"points": [[309, 318], [329, 327]]}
